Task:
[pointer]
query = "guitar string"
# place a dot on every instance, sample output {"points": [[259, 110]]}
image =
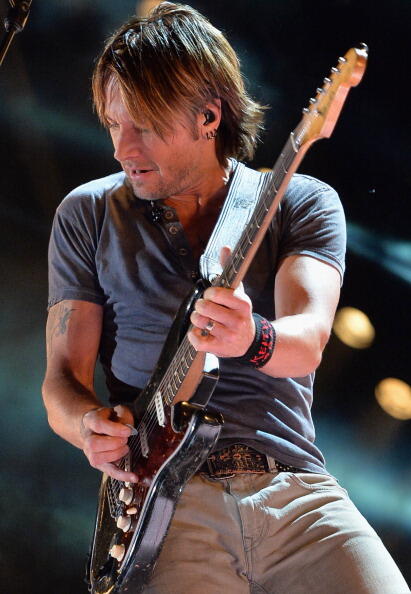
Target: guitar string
{"points": [[135, 447], [175, 366], [149, 417], [169, 384], [270, 189]]}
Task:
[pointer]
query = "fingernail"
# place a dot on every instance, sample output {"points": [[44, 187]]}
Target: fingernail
{"points": [[132, 429]]}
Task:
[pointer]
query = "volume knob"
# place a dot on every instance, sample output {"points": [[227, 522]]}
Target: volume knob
{"points": [[126, 495], [118, 551], [124, 523]]}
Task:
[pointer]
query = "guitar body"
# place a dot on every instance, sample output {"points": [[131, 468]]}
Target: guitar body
{"points": [[172, 443], [156, 496]]}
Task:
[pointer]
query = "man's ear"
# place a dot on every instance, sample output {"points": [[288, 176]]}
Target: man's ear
{"points": [[209, 119], [211, 115]]}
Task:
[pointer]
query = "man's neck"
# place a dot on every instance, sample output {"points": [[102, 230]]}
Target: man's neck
{"points": [[211, 189], [198, 213]]}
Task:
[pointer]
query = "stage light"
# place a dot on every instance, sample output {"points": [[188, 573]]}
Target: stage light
{"points": [[394, 396], [353, 328]]}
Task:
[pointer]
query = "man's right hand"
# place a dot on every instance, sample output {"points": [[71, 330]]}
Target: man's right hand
{"points": [[73, 339], [105, 435]]}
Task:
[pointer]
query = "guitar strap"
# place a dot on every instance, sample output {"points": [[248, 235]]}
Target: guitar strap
{"points": [[239, 205]]}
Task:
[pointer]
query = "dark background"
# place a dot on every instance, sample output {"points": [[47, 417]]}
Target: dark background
{"points": [[51, 142]]}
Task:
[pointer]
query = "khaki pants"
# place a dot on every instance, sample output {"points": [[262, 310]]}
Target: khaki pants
{"points": [[272, 534]]}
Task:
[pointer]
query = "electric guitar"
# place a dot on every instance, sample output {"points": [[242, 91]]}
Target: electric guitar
{"points": [[175, 433]]}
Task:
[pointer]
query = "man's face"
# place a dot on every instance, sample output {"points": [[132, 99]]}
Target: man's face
{"points": [[157, 168]]}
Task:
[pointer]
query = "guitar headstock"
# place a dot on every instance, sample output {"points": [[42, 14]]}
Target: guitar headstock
{"points": [[321, 116]]}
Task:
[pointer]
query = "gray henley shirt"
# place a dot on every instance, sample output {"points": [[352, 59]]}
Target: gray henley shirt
{"points": [[107, 247]]}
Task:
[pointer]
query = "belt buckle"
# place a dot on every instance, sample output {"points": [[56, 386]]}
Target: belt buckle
{"points": [[250, 460], [215, 473]]}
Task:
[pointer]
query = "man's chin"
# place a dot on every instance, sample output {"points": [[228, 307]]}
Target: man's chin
{"points": [[144, 193]]}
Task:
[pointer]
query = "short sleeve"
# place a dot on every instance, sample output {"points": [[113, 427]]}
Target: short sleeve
{"points": [[312, 222], [72, 248]]}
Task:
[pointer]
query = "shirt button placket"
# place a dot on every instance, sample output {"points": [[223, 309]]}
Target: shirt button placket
{"points": [[173, 229]]}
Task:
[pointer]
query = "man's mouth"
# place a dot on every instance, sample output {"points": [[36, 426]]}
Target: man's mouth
{"points": [[139, 171]]}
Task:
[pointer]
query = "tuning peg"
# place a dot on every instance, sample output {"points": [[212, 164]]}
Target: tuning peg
{"points": [[364, 47], [306, 110], [327, 80], [335, 70], [320, 90], [313, 100], [342, 60]]}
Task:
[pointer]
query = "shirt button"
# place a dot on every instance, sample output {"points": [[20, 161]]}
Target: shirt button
{"points": [[169, 214], [173, 229], [182, 252]]}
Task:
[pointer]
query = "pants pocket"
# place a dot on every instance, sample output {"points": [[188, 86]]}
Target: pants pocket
{"points": [[316, 482]]}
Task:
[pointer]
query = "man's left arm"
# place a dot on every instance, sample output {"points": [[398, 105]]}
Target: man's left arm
{"points": [[306, 296]]}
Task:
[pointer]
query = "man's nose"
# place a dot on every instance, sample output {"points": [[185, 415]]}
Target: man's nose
{"points": [[127, 144]]}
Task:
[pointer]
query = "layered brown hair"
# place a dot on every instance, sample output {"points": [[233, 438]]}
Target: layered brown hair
{"points": [[171, 62]]}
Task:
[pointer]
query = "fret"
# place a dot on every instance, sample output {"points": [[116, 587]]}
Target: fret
{"points": [[191, 354], [264, 204], [184, 366], [282, 163], [173, 384], [294, 142], [248, 239], [179, 374], [168, 395]]}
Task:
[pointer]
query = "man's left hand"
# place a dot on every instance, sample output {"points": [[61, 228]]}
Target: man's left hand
{"points": [[222, 322]]}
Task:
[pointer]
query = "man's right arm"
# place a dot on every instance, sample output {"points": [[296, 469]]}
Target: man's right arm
{"points": [[73, 409]]}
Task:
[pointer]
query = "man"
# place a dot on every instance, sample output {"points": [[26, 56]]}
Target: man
{"points": [[123, 254]]}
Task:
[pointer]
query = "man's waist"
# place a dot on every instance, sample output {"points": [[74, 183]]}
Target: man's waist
{"points": [[242, 459]]}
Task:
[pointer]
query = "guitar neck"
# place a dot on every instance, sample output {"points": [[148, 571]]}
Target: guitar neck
{"points": [[272, 191], [318, 121]]}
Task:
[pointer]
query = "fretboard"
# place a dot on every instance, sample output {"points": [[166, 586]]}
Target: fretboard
{"points": [[271, 192]]}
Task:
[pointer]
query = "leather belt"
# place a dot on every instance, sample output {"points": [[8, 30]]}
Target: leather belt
{"points": [[239, 459]]}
